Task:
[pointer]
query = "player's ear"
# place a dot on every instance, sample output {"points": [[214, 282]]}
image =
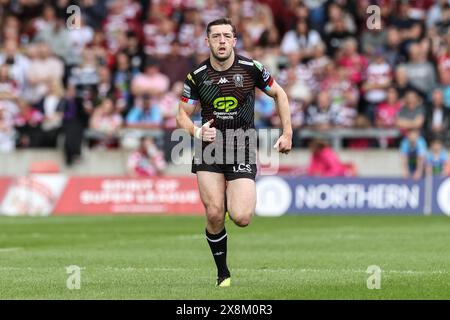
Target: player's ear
{"points": [[207, 41]]}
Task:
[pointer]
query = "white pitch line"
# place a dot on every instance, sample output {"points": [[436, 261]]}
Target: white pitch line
{"points": [[10, 249], [303, 270]]}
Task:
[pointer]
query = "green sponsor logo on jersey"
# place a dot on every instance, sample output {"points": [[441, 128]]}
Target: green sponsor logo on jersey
{"points": [[225, 103]]}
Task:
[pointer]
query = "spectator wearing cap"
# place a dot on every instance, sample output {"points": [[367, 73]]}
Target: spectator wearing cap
{"points": [[151, 82]]}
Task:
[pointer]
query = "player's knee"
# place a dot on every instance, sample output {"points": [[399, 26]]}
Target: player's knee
{"points": [[242, 221], [215, 214]]}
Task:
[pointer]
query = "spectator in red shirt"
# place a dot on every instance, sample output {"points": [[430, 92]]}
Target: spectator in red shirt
{"points": [[352, 60], [325, 162], [147, 160]]}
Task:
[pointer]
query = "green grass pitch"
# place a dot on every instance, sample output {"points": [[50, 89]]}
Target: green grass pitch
{"points": [[167, 257]]}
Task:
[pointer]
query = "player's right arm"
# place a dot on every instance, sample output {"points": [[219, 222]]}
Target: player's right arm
{"points": [[186, 107], [184, 114]]}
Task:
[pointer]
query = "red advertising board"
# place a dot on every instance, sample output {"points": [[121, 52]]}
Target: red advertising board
{"points": [[118, 195], [4, 185]]}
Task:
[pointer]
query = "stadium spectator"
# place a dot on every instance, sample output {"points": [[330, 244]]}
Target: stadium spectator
{"points": [[106, 122], [147, 160], [322, 115], [17, 63], [8, 87], [378, 79], [151, 82], [7, 134], [27, 123], [412, 114], [437, 160], [264, 110], [121, 80], [420, 72], [106, 58], [58, 38], [413, 150], [402, 83], [146, 114], [175, 65], [44, 68], [437, 118], [352, 60], [435, 14], [48, 107], [302, 40], [386, 114], [105, 85], [338, 31], [325, 162], [392, 47], [74, 119]]}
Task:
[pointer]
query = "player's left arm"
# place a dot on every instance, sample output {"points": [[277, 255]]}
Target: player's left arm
{"points": [[284, 142]]}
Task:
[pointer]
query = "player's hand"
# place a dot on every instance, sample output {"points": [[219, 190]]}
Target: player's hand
{"points": [[284, 144], [207, 133]]}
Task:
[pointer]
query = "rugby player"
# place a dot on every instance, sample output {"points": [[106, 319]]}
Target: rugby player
{"points": [[223, 86]]}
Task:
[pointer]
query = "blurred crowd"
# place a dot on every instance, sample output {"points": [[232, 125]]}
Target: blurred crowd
{"points": [[124, 64]]}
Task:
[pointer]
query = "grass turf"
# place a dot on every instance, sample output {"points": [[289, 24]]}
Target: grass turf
{"points": [[167, 257]]}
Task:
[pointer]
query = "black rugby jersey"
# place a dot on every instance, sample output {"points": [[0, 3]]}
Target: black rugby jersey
{"points": [[227, 96]]}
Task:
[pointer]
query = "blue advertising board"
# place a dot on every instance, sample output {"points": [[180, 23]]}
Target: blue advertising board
{"points": [[441, 196], [279, 195]]}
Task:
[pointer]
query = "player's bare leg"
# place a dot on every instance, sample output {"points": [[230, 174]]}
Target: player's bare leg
{"points": [[241, 200], [212, 193]]}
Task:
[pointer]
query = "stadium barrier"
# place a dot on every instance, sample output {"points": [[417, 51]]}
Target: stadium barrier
{"points": [[58, 194]]}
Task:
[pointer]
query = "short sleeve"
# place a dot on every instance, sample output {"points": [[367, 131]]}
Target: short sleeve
{"points": [[263, 78], [421, 147], [190, 92], [404, 147]]}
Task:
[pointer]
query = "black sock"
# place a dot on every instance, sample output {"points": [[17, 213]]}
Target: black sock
{"points": [[218, 245]]}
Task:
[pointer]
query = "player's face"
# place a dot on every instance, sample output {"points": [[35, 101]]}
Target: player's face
{"points": [[221, 41]]}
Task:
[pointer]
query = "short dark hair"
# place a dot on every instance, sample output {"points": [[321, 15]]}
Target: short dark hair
{"points": [[218, 22]]}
